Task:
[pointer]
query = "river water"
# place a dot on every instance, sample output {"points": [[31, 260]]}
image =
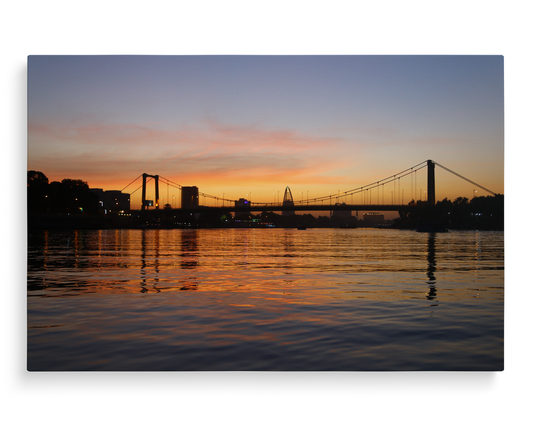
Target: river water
{"points": [[265, 300]]}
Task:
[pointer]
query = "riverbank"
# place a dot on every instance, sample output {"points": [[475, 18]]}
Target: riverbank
{"points": [[89, 222]]}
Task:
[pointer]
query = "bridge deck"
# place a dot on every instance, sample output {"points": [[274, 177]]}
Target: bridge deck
{"points": [[299, 208]]}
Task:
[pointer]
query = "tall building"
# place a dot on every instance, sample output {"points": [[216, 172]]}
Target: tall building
{"points": [[189, 197]]}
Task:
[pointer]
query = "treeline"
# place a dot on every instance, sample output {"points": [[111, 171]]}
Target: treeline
{"points": [[478, 213], [70, 196]]}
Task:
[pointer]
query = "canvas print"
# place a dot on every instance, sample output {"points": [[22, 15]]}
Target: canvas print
{"points": [[265, 213]]}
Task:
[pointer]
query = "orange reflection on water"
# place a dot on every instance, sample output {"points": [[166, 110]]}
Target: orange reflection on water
{"points": [[281, 265]]}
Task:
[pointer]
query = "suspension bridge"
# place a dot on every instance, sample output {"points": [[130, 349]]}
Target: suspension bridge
{"points": [[357, 199]]}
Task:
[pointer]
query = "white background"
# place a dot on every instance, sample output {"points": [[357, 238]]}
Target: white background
{"points": [[273, 27]]}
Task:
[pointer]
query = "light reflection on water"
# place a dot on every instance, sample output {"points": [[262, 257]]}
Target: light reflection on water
{"points": [[265, 299]]}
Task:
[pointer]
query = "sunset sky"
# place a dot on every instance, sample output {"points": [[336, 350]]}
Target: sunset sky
{"points": [[241, 125]]}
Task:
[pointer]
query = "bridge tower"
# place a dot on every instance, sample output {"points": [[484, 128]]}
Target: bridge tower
{"points": [[156, 177], [431, 183], [288, 201]]}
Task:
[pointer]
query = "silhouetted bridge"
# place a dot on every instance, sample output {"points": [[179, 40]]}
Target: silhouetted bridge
{"points": [[190, 202]]}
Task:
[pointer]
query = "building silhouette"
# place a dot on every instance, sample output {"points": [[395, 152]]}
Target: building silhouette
{"points": [[242, 202], [189, 197], [112, 201], [341, 213], [373, 219]]}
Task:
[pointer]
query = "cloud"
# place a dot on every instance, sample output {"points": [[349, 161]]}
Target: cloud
{"points": [[206, 150]]}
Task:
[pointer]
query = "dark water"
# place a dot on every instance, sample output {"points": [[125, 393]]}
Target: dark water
{"points": [[265, 299]]}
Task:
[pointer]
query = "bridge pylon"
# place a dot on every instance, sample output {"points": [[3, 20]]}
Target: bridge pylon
{"points": [[156, 177], [431, 183]]}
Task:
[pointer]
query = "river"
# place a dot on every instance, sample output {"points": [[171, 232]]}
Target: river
{"points": [[265, 300]]}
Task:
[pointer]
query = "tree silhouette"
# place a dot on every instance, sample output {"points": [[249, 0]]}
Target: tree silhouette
{"points": [[68, 196], [37, 192]]}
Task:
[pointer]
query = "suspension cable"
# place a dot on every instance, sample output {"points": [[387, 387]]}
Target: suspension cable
{"points": [[393, 177], [131, 193], [382, 182], [131, 183], [203, 194], [462, 177], [168, 180]]}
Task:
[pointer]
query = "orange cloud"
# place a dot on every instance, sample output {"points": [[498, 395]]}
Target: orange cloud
{"points": [[210, 152]]}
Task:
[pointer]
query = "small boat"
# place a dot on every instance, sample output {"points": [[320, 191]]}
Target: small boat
{"points": [[301, 228]]}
